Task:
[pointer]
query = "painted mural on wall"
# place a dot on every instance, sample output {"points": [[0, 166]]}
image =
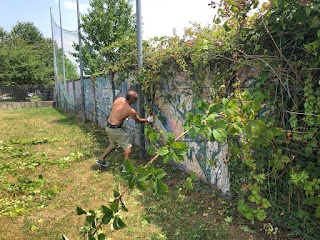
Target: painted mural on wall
{"points": [[208, 160]]}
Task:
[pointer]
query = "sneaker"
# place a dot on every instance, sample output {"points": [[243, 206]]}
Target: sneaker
{"points": [[102, 163]]}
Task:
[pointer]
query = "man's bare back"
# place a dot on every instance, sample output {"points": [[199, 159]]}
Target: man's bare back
{"points": [[120, 110]]}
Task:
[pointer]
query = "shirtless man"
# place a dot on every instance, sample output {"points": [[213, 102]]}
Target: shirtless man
{"points": [[120, 110]]}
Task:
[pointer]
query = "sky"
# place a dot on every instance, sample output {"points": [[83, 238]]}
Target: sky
{"points": [[159, 17]]}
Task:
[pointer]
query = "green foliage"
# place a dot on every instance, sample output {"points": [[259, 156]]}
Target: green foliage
{"points": [[109, 36], [25, 56], [23, 192], [143, 178], [96, 219], [272, 130], [28, 32]]}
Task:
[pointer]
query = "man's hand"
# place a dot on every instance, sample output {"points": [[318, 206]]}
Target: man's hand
{"points": [[150, 119]]}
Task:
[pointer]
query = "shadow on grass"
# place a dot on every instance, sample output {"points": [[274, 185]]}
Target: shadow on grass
{"points": [[181, 214]]}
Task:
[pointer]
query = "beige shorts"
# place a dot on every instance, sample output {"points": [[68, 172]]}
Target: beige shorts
{"points": [[118, 137]]}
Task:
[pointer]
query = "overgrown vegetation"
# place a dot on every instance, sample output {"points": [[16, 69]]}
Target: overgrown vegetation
{"points": [[47, 164], [272, 128]]}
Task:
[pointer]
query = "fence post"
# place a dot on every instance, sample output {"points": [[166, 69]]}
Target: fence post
{"points": [[74, 97]]}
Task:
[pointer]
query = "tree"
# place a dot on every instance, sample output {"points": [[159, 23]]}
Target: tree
{"points": [[3, 33], [25, 56], [28, 32], [109, 35], [21, 64]]}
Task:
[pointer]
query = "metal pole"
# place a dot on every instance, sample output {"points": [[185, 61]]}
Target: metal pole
{"points": [[54, 66], [83, 103], [62, 48], [140, 61]]}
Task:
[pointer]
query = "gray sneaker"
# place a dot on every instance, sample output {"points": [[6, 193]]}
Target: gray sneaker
{"points": [[102, 163]]}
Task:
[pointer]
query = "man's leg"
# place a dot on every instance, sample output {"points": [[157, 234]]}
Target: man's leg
{"points": [[106, 152], [127, 152]]}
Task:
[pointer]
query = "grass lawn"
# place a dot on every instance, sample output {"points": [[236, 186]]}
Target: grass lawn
{"points": [[47, 169]]}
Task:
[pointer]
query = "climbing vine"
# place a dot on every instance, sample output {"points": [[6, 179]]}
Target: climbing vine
{"points": [[272, 127], [272, 130]]}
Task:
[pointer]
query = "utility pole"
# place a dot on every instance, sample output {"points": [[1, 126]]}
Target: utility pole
{"points": [[140, 61]]}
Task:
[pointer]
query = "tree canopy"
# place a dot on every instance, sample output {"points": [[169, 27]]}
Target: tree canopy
{"points": [[25, 56], [108, 35]]}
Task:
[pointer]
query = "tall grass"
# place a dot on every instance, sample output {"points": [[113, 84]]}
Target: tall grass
{"points": [[47, 168]]}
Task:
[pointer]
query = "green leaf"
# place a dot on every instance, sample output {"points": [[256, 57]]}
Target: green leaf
{"points": [[167, 158], [177, 158], [202, 105], [211, 119], [118, 223], [116, 194], [220, 124], [180, 148], [228, 219], [217, 21], [261, 214], [245, 209], [219, 135], [129, 166], [154, 137], [33, 227], [170, 138], [151, 150], [123, 207], [131, 183], [237, 127], [180, 145], [188, 184], [143, 174], [197, 119], [189, 116], [285, 159], [160, 174], [163, 151], [308, 151], [277, 131], [226, 27], [225, 101], [102, 236], [80, 211], [141, 185], [106, 218], [121, 223], [107, 214], [91, 220], [114, 207], [193, 132], [160, 188]]}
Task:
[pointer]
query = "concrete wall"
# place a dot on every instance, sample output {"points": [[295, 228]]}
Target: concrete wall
{"points": [[14, 105], [208, 160]]}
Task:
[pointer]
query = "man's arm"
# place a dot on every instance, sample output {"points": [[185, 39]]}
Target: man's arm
{"points": [[134, 115]]}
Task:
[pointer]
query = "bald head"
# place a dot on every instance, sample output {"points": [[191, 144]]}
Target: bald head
{"points": [[132, 96]]}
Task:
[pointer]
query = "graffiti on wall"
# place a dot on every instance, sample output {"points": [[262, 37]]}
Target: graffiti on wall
{"points": [[208, 160]]}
